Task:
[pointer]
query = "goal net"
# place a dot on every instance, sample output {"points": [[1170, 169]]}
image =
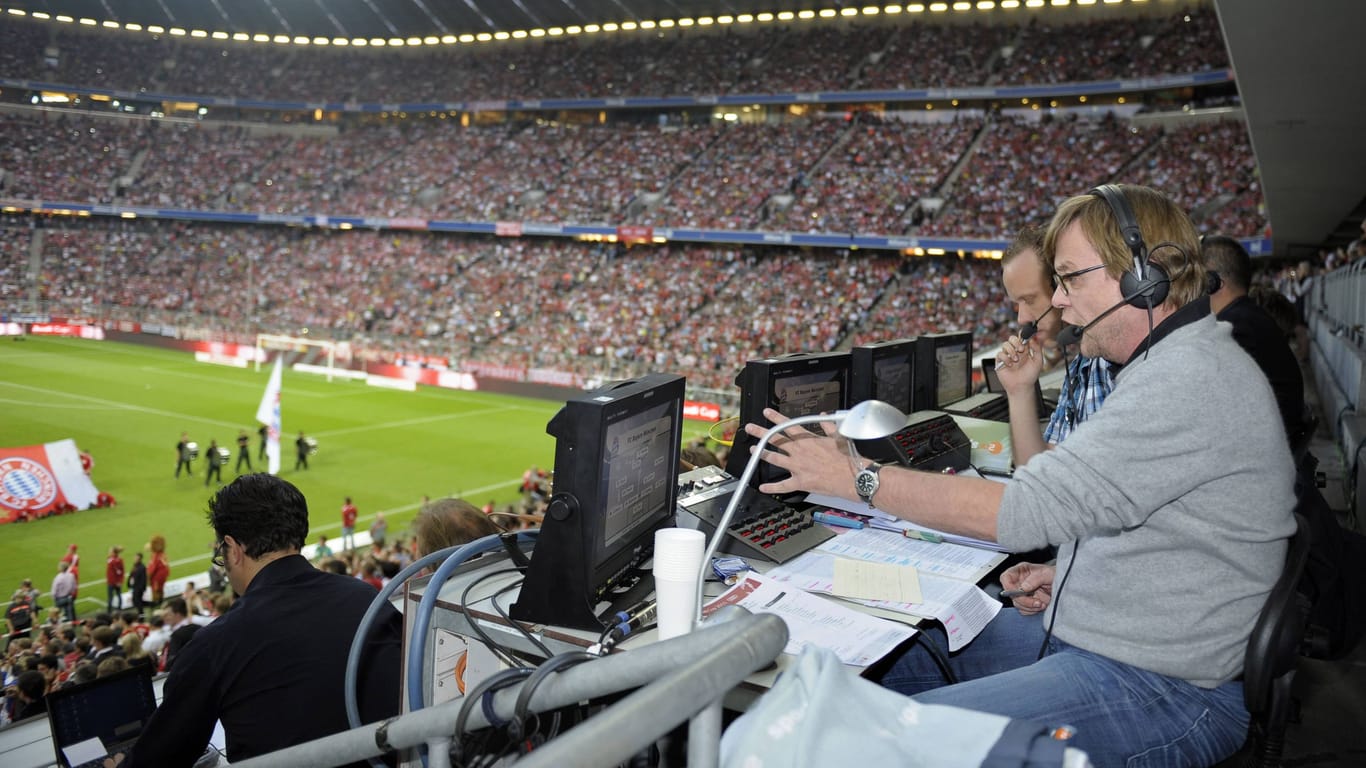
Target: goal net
{"points": [[299, 351]]}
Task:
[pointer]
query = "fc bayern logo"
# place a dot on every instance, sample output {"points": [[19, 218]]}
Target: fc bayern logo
{"points": [[25, 484]]}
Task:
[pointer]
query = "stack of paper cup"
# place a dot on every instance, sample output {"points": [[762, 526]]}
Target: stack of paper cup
{"points": [[678, 559]]}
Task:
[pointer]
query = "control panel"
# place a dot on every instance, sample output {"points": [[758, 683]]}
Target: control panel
{"points": [[762, 527], [930, 441]]}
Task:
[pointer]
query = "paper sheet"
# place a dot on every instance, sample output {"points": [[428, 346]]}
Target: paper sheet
{"points": [[856, 638], [888, 520], [960, 606], [862, 580], [952, 560]]}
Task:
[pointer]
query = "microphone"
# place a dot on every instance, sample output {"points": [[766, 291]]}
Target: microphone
{"points": [[1071, 334], [1032, 327]]}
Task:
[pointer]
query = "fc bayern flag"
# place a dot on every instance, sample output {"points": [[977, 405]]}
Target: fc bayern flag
{"points": [[36, 480], [268, 413]]}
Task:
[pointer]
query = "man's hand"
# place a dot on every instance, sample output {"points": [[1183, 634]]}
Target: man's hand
{"points": [[1019, 364], [818, 463], [1029, 586]]}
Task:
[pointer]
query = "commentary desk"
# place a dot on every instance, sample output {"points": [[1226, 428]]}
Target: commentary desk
{"points": [[457, 659]]}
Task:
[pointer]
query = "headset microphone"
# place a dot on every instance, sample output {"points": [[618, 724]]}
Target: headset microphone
{"points": [[1071, 334], [1030, 328]]}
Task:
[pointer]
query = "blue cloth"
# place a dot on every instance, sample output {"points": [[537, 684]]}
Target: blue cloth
{"points": [[1088, 382], [1122, 715]]}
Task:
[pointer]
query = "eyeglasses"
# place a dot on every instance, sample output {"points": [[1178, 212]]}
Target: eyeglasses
{"points": [[1061, 281], [220, 554]]}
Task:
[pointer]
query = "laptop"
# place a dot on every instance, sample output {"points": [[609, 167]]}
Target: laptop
{"points": [[101, 718]]}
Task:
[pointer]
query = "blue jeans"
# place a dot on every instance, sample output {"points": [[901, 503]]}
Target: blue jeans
{"points": [[1122, 715], [114, 601]]}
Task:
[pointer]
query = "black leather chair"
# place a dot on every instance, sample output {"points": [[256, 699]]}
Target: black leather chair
{"points": [[1273, 652]]}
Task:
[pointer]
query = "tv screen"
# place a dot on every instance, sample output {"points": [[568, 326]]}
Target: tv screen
{"points": [[943, 372], [799, 384], [953, 370], [616, 460], [638, 470], [884, 371]]}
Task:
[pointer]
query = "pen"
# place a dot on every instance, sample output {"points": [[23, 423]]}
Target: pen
{"points": [[932, 538], [839, 520], [1018, 592]]}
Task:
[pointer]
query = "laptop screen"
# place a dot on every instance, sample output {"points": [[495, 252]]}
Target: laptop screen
{"points": [[113, 709]]}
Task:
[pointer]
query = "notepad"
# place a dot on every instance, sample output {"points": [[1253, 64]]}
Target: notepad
{"points": [[864, 580]]}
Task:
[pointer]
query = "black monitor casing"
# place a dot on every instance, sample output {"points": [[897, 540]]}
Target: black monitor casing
{"points": [[757, 382], [927, 369], [885, 371], [574, 567]]}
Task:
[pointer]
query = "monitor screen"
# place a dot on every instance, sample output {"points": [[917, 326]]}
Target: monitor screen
{"points": [[943, 369], [884, 371], [638, 471], [799, 384], [616, 461], [953, 371]]}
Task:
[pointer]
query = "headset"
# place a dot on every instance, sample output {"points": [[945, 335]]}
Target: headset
{"points": [[1147, 285]]}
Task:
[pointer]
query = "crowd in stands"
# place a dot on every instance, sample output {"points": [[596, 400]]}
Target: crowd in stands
{"points": [[864, 174], [803, 57]]}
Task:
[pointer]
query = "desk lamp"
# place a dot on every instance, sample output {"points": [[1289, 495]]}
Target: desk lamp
{"points": [[869, 420]]}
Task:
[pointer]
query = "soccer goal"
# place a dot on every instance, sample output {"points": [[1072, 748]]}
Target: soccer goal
{"points": [[311, 352]]}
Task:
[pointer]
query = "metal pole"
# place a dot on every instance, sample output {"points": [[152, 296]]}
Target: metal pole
{"points": [[706, 664]]}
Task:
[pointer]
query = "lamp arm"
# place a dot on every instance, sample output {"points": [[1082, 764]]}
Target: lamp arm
{"points": [[750, 468]]}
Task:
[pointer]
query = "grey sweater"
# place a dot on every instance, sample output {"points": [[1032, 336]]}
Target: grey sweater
{"points": [[1179, 494]]}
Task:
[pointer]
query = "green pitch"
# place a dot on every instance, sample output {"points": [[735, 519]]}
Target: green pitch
{"points": [[126, 405]]}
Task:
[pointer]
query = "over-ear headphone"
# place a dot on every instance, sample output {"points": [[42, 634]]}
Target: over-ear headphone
{"points": [[1146, 286]]}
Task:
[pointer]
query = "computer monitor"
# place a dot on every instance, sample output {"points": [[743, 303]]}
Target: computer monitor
{"points": [[943, 370], [616, 460], [798, 384], [885, 371]]}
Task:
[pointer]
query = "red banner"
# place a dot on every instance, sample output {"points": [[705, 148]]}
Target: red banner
{"points": [[701, 411], [630, 234], [38, 480]]}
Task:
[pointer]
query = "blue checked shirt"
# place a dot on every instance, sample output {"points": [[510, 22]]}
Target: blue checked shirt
{"points": [[1088, 382]]}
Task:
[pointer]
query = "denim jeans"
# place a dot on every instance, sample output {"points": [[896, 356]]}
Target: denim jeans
{"points": [[114, 601], [1122, 715], [68, 606]]}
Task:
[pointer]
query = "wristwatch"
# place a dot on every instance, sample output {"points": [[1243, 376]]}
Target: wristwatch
{"points": [[866, 482]]}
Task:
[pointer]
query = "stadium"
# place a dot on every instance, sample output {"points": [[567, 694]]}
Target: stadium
{"points": [[446, 219]]}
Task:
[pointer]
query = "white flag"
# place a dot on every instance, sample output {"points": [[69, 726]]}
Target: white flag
{"points": [[268, 413]]}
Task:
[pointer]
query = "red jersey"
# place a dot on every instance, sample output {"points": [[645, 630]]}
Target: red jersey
{"points": [[113, 571], [349, 516]]}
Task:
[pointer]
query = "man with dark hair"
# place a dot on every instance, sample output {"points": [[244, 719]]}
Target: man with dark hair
{"points": [[271, 669], [1254, 329], [1184, 512]]}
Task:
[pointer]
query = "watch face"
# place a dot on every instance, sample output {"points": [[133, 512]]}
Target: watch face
{"points": [[866, 482]]}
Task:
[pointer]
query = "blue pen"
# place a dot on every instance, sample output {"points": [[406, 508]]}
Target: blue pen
{"points": [[839, 520]]}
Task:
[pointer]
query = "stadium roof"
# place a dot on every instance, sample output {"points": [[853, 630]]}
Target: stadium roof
{"points": [[1301, 87]]}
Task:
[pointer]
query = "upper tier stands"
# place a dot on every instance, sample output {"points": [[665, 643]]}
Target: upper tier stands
{"points": [[822, 174], [910, 52]]}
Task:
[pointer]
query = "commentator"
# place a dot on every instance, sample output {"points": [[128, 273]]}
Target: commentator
{"points": [[1171, 518]]}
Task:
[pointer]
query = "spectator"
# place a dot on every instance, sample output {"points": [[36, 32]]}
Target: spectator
{"points": [[64, 591], [449, 522], [113, 576], [137, 585], [348, 531], [271, 669]]}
